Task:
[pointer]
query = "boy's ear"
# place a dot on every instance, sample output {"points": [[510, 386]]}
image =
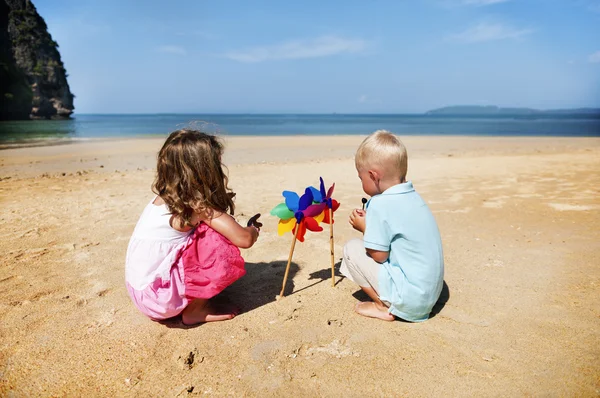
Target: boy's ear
{"points": [[374, 175]]}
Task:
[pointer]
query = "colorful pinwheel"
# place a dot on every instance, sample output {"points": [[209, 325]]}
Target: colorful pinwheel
{"points": [[299, 213]]}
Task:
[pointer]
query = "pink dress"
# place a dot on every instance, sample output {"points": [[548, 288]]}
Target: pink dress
{"points": [[165, 268]]}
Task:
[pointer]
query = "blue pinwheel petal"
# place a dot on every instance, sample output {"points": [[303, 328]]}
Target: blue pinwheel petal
{"points": [[316, 194], [291, 200], [305, 200], [299, 216], [322, 189]]}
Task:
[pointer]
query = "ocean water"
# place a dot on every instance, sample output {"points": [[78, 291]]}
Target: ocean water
{"points": [[108, 126]]}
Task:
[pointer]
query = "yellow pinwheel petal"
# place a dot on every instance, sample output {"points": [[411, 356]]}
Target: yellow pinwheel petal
{"points": [[286, 225], [320, 217]]}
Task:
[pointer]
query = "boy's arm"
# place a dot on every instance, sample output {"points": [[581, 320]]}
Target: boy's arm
{"points": [[378, 256], [376, 235]]}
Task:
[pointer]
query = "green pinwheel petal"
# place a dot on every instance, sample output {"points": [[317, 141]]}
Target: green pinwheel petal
{"points": [[282, 211]]}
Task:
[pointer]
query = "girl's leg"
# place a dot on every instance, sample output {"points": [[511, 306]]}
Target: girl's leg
{"points": [[201, 310]]}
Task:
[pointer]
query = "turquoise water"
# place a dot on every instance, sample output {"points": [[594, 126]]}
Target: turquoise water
{"points": [[107, 126]]}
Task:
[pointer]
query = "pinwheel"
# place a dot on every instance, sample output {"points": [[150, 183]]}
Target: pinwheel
{"points": [[306, 212], [331, 205], [297, 214]]}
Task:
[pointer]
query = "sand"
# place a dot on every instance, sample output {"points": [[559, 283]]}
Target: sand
{"points": [[520, 223]]}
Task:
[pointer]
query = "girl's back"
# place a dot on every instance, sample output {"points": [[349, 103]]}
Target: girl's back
{"points": [[169, 271], [153, 247]]}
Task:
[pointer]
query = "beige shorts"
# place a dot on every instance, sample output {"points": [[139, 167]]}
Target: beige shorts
{"points": [[358, 266]]}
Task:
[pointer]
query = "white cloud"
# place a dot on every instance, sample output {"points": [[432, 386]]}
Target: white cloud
{"points": [[480, 3], [362, 98], [172, 50], [320, 47], [488, 32], [594, 58]]}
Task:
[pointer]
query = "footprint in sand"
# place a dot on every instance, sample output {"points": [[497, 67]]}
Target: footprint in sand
{"points": [[264, 350], [335, 349], [460, 316], [190, 359]]}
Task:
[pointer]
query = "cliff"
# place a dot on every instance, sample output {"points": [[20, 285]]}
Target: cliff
{"points": [[34, 79]]}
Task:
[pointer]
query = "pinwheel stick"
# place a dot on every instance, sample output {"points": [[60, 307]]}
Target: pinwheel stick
{"points": [[287, 268], [331, 246]]}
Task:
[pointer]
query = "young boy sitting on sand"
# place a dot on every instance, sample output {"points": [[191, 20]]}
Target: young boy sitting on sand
{"points": [[399, 262]]}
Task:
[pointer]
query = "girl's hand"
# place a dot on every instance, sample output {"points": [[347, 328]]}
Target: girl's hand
{"points": [[253, 222], [357, 220]]}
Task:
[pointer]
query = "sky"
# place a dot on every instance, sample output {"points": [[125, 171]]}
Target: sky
{"points": [[397, 56]]}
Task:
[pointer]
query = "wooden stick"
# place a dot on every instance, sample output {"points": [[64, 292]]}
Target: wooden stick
{"points": [[287, 268], [331, 246]]}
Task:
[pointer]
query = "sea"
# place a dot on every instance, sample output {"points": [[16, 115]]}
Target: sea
{"points": [[94, 126]]}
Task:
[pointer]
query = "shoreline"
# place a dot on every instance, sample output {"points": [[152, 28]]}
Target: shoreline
{"points": [[125, 154], [41, 142]]}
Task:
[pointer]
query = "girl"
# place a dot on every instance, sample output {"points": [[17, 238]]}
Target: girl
{"points": [[184, 249]]}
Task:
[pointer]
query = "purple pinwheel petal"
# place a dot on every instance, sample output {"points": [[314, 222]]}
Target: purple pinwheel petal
{"points": [[314, 210], [322, 189], [305, 200], [316, 195], [291, 200]]}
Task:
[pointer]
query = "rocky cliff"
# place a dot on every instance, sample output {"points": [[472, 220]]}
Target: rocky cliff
{"points": [[34, 79]]}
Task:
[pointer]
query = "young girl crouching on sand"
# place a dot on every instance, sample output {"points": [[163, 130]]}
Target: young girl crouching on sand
{"points": [[184, 249]]}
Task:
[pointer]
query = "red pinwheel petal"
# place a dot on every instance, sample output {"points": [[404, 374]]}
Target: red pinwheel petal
{"points": [[312, 224], [326, 219], [302, 230], [335, 205]]}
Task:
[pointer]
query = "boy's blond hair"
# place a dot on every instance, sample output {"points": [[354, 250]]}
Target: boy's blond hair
{"points": [[383, 149]]}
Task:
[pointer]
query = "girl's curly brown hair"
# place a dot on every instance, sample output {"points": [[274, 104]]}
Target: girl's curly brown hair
{"points": [[190, 176]]}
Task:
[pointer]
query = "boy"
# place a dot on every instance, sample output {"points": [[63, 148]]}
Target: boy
{"points": [[399, 262]]}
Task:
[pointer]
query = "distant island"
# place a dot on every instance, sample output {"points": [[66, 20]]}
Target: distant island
{"points": [[491, 110]]}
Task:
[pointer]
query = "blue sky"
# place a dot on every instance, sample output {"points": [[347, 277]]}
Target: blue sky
{"points": [[326, 56]]}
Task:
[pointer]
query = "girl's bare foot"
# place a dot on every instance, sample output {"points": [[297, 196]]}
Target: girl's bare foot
{"points": [[199, 311], [372, 310]]}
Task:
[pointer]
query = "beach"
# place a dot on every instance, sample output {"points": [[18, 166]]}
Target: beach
{"points": [[519, 314]]}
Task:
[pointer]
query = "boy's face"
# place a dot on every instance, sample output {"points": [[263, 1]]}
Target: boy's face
{"points": [[368, 182]]}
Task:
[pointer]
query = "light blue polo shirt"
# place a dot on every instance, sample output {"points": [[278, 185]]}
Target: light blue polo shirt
{"points": [[399, 221]]}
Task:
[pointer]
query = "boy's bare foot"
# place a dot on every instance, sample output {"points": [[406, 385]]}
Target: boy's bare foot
{"points": [[372, 310], [199, 311]]}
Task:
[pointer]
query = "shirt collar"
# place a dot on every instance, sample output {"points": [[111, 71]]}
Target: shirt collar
{"points": [[399, 188]]}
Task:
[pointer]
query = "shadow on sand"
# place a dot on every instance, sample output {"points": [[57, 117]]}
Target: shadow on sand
{"points": [[260, 286], [444, 297]]}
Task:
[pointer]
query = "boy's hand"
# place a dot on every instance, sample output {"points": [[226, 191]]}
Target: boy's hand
{"points": [[357, 220]]}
